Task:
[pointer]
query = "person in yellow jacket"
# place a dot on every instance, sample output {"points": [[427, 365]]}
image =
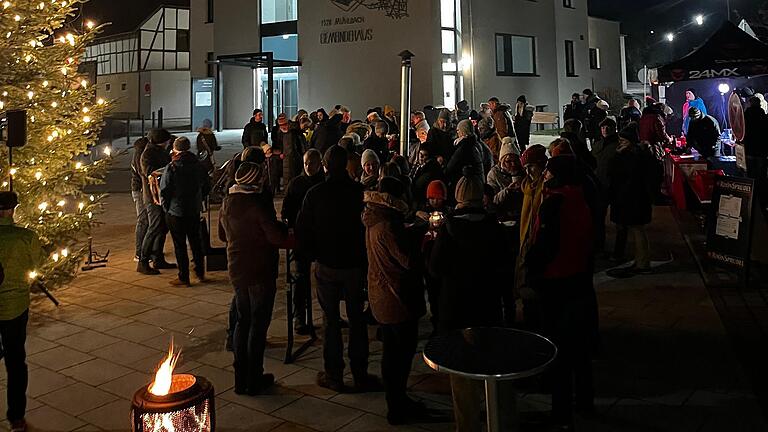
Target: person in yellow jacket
{"points": [[534, 159], [20, 255]]}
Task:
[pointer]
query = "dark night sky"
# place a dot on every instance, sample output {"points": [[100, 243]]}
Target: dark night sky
{"points": [[639, 17], [125, 15]]}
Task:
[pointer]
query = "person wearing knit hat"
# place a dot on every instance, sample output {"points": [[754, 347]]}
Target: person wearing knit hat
{"points": [[560, 146], [254, 236], [561, 255], [633, 181], [468, 256], [370, 162], [505, 179], [20, 254], [183, 187], [437, 191], [250, 175], [534, 159], [469, 192]]}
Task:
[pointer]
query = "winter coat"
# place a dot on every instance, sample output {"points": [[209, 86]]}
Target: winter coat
{"points": [[249, 226], [295, 193], [379, 145], [580, 149], [502, 121], [562, 236], [696, 103], [627, 116], [254, 134], [293, 152], [328, 227], [756, 132], [395, 292], [522, 122], [206, 145], [493, 140], [20, 254], [469, 257], [423, 176], [652, 128], [487, 157], [574, 111], [631, 178], [703, 135], [592, 124], [153, 158], [440, 142], [327, 134], [136, 175], [466, 153], [184, 185], [532, 196], [603, 151], [508, 202]]}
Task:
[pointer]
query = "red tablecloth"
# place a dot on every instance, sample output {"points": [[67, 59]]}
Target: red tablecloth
{"points": [[676, 171]]}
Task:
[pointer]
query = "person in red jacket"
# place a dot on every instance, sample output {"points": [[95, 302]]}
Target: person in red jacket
{"points": [[559, 271], [652, 128]]}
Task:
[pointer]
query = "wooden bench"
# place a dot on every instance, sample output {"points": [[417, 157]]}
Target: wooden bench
{"points": [[545, 118]]}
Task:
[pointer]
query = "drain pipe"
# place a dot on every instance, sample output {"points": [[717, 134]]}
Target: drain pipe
{"points": [[405, 101]]}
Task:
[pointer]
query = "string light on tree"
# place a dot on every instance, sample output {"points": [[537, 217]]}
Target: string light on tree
{"points": [[40, 60]]}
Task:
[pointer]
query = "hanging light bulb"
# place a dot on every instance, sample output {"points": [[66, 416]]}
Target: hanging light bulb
{"points": [[61, 203], [90, 24], [80, 205], [100, 101], [32, 275], [13, 171], [43, 206], [65, 252], [55, 257], [108, 151], [78, 165], [38, 175]]}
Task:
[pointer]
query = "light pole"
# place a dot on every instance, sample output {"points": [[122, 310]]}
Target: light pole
{"points": [[405, 101]]}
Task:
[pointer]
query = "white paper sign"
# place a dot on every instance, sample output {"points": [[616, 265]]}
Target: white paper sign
{"points": [[741, 157], [730, 206], [203, 99], [727, 227]]}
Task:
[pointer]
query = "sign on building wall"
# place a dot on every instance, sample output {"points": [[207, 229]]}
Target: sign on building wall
{"points": [[352, 27]]}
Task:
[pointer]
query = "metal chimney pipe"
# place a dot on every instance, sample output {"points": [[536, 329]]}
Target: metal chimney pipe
{"points": [[405, 101]]}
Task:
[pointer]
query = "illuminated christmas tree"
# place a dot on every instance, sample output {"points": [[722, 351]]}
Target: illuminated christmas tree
{"points": [[40, 51]]}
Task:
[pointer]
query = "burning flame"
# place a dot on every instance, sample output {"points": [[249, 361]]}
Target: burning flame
{"points": [[161, 386]]}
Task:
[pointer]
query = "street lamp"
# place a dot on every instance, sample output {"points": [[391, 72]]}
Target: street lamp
{"points": [[699, 19], [670, 37]]}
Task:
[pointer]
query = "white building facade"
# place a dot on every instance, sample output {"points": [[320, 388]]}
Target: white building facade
{"points": [[147, 69], [348, 50]]}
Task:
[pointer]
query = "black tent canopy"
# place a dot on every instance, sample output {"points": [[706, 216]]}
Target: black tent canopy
{"points": [[728, 53]]}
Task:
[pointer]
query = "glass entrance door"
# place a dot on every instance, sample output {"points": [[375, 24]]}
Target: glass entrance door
{"points": [[286, 91]]}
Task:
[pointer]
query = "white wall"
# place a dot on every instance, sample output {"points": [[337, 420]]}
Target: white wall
{"points": [[125, 101], [517, 17], [201, 38], [604, 34], [366, 73], [171, 90]]}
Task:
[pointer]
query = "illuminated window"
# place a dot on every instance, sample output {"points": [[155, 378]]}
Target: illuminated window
{"points": [[515, 55]]}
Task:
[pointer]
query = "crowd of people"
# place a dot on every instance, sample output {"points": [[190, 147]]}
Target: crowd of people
{"points": [[472, 223]]}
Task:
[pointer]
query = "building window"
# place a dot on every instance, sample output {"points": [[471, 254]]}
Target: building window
{"points": [[279, 10], [108, 87], [568, 4], [453, 62], [515, 55], [123, 86], [570, 65], [210, 12], [211, 66], [594, 58], [182, 40]]}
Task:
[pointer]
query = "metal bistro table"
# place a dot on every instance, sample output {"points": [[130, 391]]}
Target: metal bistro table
{"points": [[490, 354]]}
